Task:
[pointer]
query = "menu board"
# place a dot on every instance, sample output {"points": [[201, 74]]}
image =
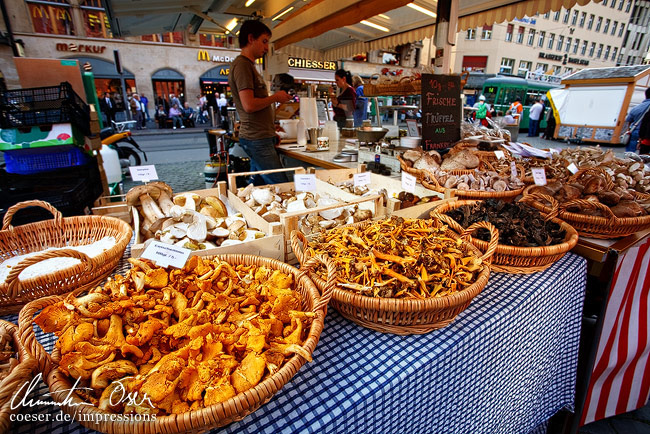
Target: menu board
{"points": [[441, 111]]}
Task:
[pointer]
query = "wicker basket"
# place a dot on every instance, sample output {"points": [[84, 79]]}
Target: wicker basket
{"points": [[513, 259], [486, 155], [198, 421], [508, 196], [58, 232], [17, 377], [403, 316]]}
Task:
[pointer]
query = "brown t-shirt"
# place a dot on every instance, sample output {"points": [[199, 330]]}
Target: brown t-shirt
{"points": [[243, 75]]}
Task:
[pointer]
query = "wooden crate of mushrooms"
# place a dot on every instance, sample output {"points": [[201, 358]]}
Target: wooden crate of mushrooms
{"points": [[206, 229]]}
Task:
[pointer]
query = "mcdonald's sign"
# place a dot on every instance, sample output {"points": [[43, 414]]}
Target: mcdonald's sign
{"points": [[204, 55]]}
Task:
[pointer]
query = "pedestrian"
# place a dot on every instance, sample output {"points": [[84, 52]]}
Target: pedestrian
{"points": [[145, 109], [482, 111], [534, 116], [361, 106], [644, 134], [176, 116], [344, 103], [108, 107], [549, 132], [516, 109], [633, 118], [222, 109], [173, 99], [254, 104], [136, 110]]}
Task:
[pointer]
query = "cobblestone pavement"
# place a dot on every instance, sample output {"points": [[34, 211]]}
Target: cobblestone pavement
{"points": [[185, 176]]}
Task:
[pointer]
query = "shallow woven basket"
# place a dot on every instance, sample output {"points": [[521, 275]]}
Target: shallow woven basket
{"points": [[58, 232], [21, 374], [198, 421], [433, 184], [487, 155], [513, 259], [403, 316]]}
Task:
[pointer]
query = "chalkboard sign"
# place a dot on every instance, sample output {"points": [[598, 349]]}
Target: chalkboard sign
{"points": [[441, 110], [321, 108]]}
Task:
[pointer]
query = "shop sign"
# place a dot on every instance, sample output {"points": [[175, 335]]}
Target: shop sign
{"points": [[550, 56], [80, 48], [526, 20], [577, 61], [204, 55], [295, 62]]}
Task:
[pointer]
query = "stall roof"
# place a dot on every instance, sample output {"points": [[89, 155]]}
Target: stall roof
{"points": [[619, 74]]}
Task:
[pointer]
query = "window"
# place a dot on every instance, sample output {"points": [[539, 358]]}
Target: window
{"points": [[540, 43], [168, 37], [590, 23], [551, 39], [506, 66], [583, 51], [574, 19], [607, 50], [620, 4], [614, 28], [621, 30], [531, 37], [52, 16], [591, 49], [565, 20], [556, 17], [557, 69], [568, 70], [605, 2], [576, 44], [509, 31], [96, 21], [583, 17], [614, 51], [567, 47], [599, 23], [471, 34], [628, 5], [547, 15], [542, 67], [215, 40], [520, 35], [606, 28], [560, 41], [600, 51], [486, 34], [524, 67]]}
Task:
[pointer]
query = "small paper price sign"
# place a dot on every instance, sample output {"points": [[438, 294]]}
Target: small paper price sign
{"points": [[166, 255], [572, 168], [408, 182], [305, 182], [143, 173], [500, 155], [513, 170], [361, 179], [539, 175]]}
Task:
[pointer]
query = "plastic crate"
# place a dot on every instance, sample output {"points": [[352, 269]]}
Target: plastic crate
{"points": [[44, 105], [37, 160]]}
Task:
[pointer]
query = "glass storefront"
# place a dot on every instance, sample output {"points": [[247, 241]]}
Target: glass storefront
{"points": [[51, 16]]}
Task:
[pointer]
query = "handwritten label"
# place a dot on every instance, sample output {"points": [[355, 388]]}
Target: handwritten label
{"points": [[143, 173], [412, 126], [166, 255], [539, 175], [361, 179], [441, 110], [572, 168], [305, 182], [500, 155], [408, 182], [513, 170]]}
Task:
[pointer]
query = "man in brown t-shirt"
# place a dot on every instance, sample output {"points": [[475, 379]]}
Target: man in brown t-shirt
{"points": [[253, 102]]}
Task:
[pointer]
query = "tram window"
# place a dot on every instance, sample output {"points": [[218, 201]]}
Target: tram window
{"points": [[531, 97], [512, 94], [490, 94]]}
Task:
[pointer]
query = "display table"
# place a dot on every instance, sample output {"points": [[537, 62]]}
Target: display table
{"points": [[505, 365], [319, 158]]}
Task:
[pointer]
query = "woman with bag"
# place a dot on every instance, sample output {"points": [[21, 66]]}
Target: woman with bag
{"points": [[633, 119]]}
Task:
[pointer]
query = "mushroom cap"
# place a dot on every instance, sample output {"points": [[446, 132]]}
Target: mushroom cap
{"points": [[133, 195], [162, 186]]}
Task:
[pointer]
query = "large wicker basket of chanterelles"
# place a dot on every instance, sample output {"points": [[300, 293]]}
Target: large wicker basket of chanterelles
{"points": [[200, 347], [401, 276]]}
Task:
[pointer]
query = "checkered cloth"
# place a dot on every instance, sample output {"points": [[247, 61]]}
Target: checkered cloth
{"points": [[505, 365]]}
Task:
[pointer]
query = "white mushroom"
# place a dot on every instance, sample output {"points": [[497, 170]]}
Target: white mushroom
{"points": [[245, 192], [262, 196], [197, 230], [230, 242]]}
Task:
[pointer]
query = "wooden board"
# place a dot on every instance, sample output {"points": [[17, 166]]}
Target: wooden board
{"points": [[30, 72], [113, 206]]}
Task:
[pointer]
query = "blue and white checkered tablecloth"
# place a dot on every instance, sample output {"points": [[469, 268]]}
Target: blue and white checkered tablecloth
{"points": [[505, 365]]}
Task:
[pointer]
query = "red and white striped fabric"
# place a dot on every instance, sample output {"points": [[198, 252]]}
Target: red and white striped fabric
{"points": [[620, 379]]}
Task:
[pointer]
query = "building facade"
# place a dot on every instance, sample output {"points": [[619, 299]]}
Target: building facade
{"points": [[636, 43], [557, 43]]}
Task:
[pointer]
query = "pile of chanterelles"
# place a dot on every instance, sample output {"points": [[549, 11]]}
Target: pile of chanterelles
{"points": [[185, 338]]}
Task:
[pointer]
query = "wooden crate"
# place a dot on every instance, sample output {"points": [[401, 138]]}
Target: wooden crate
{"points": [[271, 246], [113, 206]]}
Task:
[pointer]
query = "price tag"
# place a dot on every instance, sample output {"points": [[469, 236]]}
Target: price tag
{"points": [[361, 179], [513, 170], [500, 155], [554, 151], [408, 182], [305, 182], [166, 255], [573, 168], [143, 173], [539, 175]]}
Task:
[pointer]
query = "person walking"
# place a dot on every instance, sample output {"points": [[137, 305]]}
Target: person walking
{"points": [[634, 116], [145, 110], [482, 111], [549, 132], [254, 104], [222, 109], [361, 106], [516, 108], [136, 110], [107, 106], [534, 116]]}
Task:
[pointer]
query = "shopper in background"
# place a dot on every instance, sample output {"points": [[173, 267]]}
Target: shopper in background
{"points": [[254, 104], [145, 110], [534, 116], [176, 116], [136, 110], [644, 134], [549, 132], [635, 114], [517, 109], [108, 107], [222, 109], [361, 106], [161, 116], [173, 99], [482, 111], [344, 103]]}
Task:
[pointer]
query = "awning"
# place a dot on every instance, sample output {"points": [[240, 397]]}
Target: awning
{"points": [[311, 75], [102, 68], [167, 74], [217, 74]]}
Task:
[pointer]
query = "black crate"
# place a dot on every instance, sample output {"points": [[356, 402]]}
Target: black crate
{"points": [[42, 106]]}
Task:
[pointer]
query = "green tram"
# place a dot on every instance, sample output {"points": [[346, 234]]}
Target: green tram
{"points": [[501, 91]]}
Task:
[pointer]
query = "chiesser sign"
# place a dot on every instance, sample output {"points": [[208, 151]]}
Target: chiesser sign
{"points": [[295, 62], [205, 56], [81, 48]]}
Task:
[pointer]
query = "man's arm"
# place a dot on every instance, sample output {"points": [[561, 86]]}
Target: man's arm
{"points": [[252, 104]]}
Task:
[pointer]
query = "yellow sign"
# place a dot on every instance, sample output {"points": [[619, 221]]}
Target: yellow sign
{"points": [[295, 62]]}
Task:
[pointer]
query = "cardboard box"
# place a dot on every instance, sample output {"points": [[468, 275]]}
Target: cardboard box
{"points": [[287, 110]]}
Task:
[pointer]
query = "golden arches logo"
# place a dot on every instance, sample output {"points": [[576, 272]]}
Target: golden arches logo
{"points": [[203, 55]]}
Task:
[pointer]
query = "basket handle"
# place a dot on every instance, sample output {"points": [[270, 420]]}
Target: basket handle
{"points": [[6, 222], [453, 224], [27, 335], [555, 206], [597, 205], [593, 171], [13, 287], [20, 373], [494, 238], [299, 245], [326, 295]]}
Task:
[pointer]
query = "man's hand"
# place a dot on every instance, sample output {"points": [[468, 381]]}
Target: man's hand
{"points": [[281, 96]]}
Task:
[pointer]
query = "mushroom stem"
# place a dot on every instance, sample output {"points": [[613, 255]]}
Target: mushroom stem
{"points": [[165, 202], [150, 209]]}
